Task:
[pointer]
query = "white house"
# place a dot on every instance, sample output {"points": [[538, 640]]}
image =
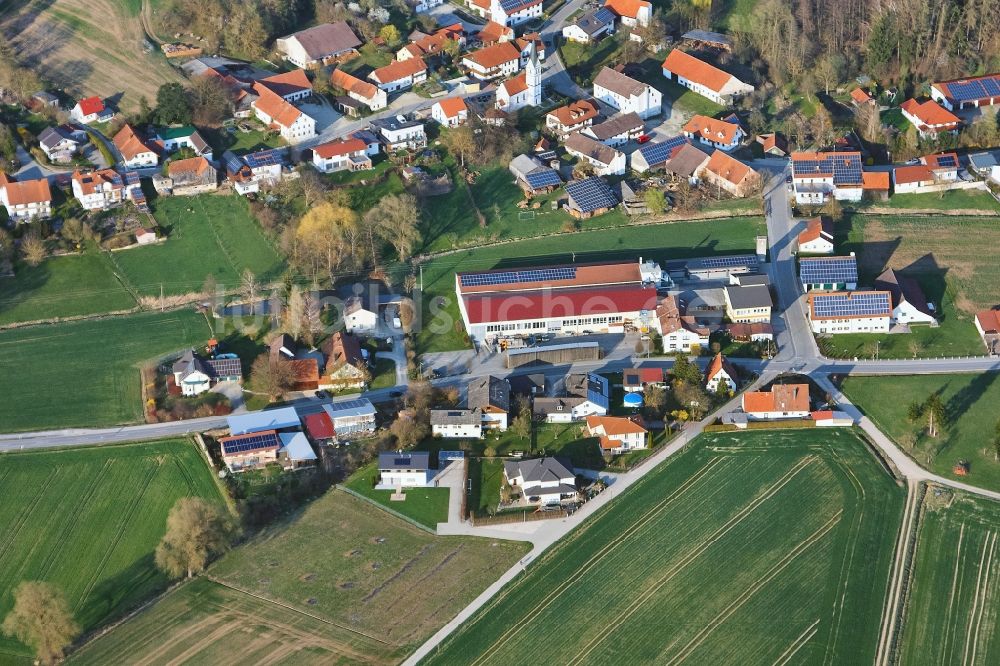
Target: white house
{"points": [[91, 110], [172, 139], [606, 160], [341, 155], [575, 116], [318, 45], [508, 12], [456, 423], [136, 152], [934, 173], [714, 132], [400, 74], [404, 469], [25, 200], [818, 176], [617, 434], [783, 401], [631, 12], [351, 417], [909, 305], [422, 6], [398, 133], [493, 62], [293, 125], [360, 316], [720, 371], [195, 375], [679, 333], [544, 481], [705, 79], [367, 93], [490, 397], [986, 164], [450, 112], [591, 26], [838, 312], [566, 409], [98, 190], [817, 237], [61, 143], [617, 130], [626, 94], [929, 117]]}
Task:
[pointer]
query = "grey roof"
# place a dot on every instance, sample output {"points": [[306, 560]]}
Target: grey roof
{"points": [[686, 161], [392, 460], [546, 406], [903, 289], [489, 392], [617, 82], [826, 270], [746, 279], [348, 408], [985, 160], [581, 143], [708, 37], [548, 348], [754, 296], [527, 384], [395, 123], [270, 419], [538, 470], [523, 164], [51, 136], [619, 124], [327, 39], [188, 363], [595, 20], [533, 489], [455, 417]]}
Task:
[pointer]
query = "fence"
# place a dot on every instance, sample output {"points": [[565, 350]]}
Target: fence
{"points": [[386, 509], [516, 517]]}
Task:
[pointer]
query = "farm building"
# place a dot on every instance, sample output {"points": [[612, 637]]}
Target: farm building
{"points": [[589, 197], [829, 273], [631, 12], [319, 45], [850, 312], [606, 160], [729, 174], [260, 438], [968, 93], [554, 354], [705, 79], [909, 305], [988, 325], [655, 155], [563, 299], [617, 130], [929, 117], [532, 176]]}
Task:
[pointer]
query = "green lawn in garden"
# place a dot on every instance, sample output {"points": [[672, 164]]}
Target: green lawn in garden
{"points": [[427, 506]]}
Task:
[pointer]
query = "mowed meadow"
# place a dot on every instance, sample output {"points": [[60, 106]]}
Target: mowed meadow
{"points": [[88, 521], [86, 373], [340, 582], [955, 594], [749, 548]]}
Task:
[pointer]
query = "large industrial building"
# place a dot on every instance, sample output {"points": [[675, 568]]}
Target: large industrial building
{"points": [[568, 299]]}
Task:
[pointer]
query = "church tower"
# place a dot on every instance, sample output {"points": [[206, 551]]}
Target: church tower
{"points": [[533, 78]]}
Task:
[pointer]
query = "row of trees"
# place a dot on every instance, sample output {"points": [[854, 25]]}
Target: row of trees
{"points": [[196, 532]]}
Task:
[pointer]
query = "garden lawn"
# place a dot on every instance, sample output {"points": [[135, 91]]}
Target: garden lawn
{"points": [[86, 373], [383, 374], [88, 520], [442, 328], [340, 582], [970, 402], [688, 100], [746, 548], [955, 583], [66, 286], [947, 200], [427, 506], [208, 234]]}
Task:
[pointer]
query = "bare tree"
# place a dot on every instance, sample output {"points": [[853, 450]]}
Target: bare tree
{"points": [[312, 318], [249, 288], [295, 313], [42, 619], [396, 219], [33, 249], [197, 530], [272, 376]]}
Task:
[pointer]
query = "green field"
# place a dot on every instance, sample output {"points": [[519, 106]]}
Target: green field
{"points": [[752, 548], [86, 373], [88, 520], [341, 582], [427, 506], [439, 331], [970, 402], [208, 234], [67, 286], [952, 609]]}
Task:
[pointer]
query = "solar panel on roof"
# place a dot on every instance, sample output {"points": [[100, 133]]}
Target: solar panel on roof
{"points": [[543, 178], [946, 161], [826, 270], [992, 87], [591, 194], [263, 158], [547, 155], [728, 262], [852, 304], [658, 153], [251, 443], [510, 5], [604, 15], [846, 168], [514, 277]]}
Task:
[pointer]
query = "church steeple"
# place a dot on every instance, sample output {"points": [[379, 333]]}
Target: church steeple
{"points": [[533, 77]]}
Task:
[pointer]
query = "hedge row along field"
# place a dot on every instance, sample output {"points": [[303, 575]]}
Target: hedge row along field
{"points": [[88, 520], [749, 548]]}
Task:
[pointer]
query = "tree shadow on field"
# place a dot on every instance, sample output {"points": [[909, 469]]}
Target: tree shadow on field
{"points": [[959, 404], [113, 597]]}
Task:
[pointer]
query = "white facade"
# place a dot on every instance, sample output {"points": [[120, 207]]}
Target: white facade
{"points": [[404, 478], [720, 376], [356, 160], [682, 339], [645, 105], [439, 115], [878, 324], [511, 98], [300, 129], [516, 17], [615, 167], [404, 138], [907, 313], [421, 6], [819, 245], [361, 321], [457, 431], [499, 71], [142, 159], [816, 190]]}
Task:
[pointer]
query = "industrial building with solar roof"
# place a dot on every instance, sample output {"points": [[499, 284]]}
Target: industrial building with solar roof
{"points": [[569, 299], [850, 312], [968, 93]]}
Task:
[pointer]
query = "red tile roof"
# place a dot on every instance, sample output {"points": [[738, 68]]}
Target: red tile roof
{"points": [[277, 109], [576, 112], [875, 180], [718, 363], [691, 68], [639, 376], [494, 56], [931, 115], [563, 303], [781, 398], [493, 32], [24, 192], [933, 161], [196, 165], [728, 168], [339, 147], [815, 228], [453, 106], [319, 426], [917, 173], [712, 129], [516, 84], [399, 69], [615, 425], [89, 182], [989, 320], [286, 83], [91, 105], [129, 144], [349, 83], [860, 95], [628, 8]]}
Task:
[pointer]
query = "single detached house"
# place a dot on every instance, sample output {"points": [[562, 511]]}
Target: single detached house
{"points": [[575, 116], [341, 155], [720, 371], [606, 160], [346, 365], [591, 26], [909, 305], [631, 12], [90, 110], [679, 332], [929, 117], [456, 423], [61, 143], [194, 374], [450, 112], [136, 153], [25, 200], [543, 481], [715, 133], [400, 74], [617, 435], [273, 110], [361, 91], [404, 469], [491, 397], [783, 401], [817, 237]]}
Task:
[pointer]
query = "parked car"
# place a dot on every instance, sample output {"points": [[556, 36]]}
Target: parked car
{"points": [[644, 138]]}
